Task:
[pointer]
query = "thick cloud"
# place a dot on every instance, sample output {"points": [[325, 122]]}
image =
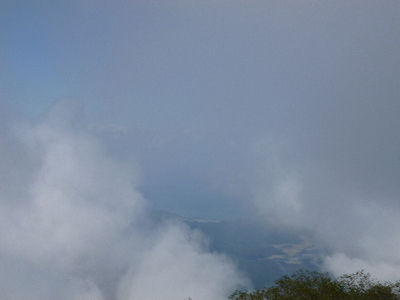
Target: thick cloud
{"points": [[179, 266], [74, 227]]}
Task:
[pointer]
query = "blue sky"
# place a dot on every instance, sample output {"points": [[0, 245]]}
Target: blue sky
{"points": [[285, 109]]}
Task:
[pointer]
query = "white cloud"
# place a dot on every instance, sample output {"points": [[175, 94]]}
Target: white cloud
{"points": [[360, 230], [340, 263], [78, 232], [179, 266]]}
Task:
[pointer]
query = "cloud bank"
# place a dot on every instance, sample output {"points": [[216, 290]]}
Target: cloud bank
{"points": [[73, 225]]}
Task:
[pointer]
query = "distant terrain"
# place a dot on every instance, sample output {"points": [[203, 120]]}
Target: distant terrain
{"points": [[263, 252]]}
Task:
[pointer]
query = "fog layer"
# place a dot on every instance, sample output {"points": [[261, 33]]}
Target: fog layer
{"points": [[73, 225]]}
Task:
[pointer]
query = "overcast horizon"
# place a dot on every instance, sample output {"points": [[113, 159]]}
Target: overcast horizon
{"points": [[283, 110]]}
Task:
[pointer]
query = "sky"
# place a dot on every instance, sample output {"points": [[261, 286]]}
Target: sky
{"points": [[282, 110]]}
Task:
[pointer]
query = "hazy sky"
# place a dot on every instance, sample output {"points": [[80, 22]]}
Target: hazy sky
{"points": [[218, 109]]}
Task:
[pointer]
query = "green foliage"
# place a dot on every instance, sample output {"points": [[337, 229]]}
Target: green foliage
{"points": [[312, 285], [360, 286]]}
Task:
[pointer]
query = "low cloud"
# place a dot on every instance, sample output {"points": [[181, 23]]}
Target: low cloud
{"points": [[360, 230], [179, 265], [74, 227]]}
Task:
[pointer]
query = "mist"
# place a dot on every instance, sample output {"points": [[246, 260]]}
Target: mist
{"points": [[286, 111], [74, 226]]}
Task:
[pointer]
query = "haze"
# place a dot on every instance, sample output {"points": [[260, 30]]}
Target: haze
{"points": [[282, 110]]}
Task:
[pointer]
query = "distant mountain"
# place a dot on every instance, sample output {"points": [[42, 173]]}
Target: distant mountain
{"points": [[263, 252]]}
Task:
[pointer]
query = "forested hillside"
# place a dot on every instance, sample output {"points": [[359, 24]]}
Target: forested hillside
{"points": [[312, 285]]}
